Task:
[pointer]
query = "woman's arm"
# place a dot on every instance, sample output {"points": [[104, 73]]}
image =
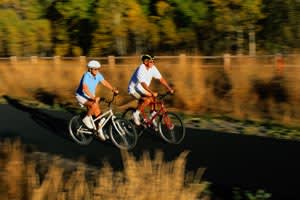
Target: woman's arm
{"points": [[108, 85]]}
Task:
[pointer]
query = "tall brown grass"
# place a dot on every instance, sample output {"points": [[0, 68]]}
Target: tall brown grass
{"points": [[200, 88], [25, 177]]}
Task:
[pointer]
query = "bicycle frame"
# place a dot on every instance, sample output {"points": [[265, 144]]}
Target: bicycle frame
{"points": [[160, 112], [108, 114]]}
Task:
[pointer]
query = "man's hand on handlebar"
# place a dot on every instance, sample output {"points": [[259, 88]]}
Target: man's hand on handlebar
{"points": [[154, 94]]}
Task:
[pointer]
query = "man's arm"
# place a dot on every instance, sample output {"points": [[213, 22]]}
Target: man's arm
{"points": [[148, 89], [164, 83]]}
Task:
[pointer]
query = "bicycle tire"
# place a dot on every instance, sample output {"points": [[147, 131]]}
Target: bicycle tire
{"points": [[127, 114], [77, 129], [171, 128], [123, 134]]}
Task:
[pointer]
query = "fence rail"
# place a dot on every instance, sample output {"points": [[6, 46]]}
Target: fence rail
{"points": [[227, 60]]}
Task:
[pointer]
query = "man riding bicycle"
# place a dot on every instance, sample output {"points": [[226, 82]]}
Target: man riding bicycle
{"points": [[140, 82], [86, 93]]}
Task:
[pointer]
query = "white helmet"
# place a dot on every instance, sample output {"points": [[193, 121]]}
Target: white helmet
{"points": [[94, 64]]}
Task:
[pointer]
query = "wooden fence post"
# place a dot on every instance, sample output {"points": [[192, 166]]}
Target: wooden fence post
{"points": [[182, 60], [82, 61], [227, 61], [111, 61], [34, 59], [56, 60], [13, 60]]}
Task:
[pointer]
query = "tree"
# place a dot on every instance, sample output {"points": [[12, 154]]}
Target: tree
{"points": [[124, 31], [190, 17], [72, 26], [281, 27], [20, 27], [234, 16]]}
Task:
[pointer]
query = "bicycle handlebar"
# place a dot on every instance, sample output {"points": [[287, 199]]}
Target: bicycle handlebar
{"points": [[103, 99], [163, 95]]}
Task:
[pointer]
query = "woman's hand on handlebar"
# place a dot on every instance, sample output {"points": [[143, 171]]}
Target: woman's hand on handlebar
{"points": [[115, 91], [95, 99]]}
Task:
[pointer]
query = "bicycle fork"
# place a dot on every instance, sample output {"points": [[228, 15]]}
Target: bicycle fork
{"points": [[168, 121]]}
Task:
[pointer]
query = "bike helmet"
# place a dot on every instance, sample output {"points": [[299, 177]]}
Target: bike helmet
{"points": [[147, 57], [93, 64]]}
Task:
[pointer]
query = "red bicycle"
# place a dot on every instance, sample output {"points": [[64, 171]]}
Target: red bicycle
{"points": [[168, 124]]}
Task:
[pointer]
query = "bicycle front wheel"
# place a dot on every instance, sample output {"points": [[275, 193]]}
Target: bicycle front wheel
{"points": [[79, 132], [123, 133], [171, 128]]}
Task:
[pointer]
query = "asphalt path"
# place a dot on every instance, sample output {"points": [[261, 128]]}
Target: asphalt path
{"points": [[231, 160]]}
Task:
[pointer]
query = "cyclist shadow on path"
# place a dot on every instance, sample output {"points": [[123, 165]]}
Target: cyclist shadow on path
{"points": [[56, 125]]}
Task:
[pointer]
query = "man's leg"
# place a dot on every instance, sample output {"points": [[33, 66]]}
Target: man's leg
{"points": [[142, 104]]}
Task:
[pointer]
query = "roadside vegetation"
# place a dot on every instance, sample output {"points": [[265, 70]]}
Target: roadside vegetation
{"points": [[30, 176], [243, 99]]}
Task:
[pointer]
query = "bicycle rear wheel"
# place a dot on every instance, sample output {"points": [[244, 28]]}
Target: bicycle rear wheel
{"points": [[128, 115], [79, 132], [123, 133], [171, 128]]}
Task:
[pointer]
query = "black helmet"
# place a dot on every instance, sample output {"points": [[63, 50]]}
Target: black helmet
{"points": [[147, 57]]}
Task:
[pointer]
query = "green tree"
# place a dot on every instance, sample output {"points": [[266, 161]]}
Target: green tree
{"points": [[281, 27], [21, 24], [233, 16], [10, 30], [190, 17], [167, 27], [72, 26], [110, 35], [142, 28], [125, 30]]}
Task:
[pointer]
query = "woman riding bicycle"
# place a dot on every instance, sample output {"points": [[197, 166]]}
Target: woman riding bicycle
{"points": [[140, 82], [86, 93]]}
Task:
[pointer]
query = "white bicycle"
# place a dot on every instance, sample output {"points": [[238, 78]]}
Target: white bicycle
{"points": [[119, 130]]}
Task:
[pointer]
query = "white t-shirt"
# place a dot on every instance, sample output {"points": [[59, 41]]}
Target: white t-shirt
{"points": [[142, 74]]}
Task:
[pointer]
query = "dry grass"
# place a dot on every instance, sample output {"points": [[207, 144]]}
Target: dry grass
{"points": [[200, 88], [23, 178]]}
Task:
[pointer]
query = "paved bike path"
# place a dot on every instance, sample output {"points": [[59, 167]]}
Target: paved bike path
{"points": [[230, 159]]}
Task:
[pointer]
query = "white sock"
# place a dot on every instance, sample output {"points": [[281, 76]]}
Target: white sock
{"points": [[86, 117], [137, 112], [92, 120]]}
